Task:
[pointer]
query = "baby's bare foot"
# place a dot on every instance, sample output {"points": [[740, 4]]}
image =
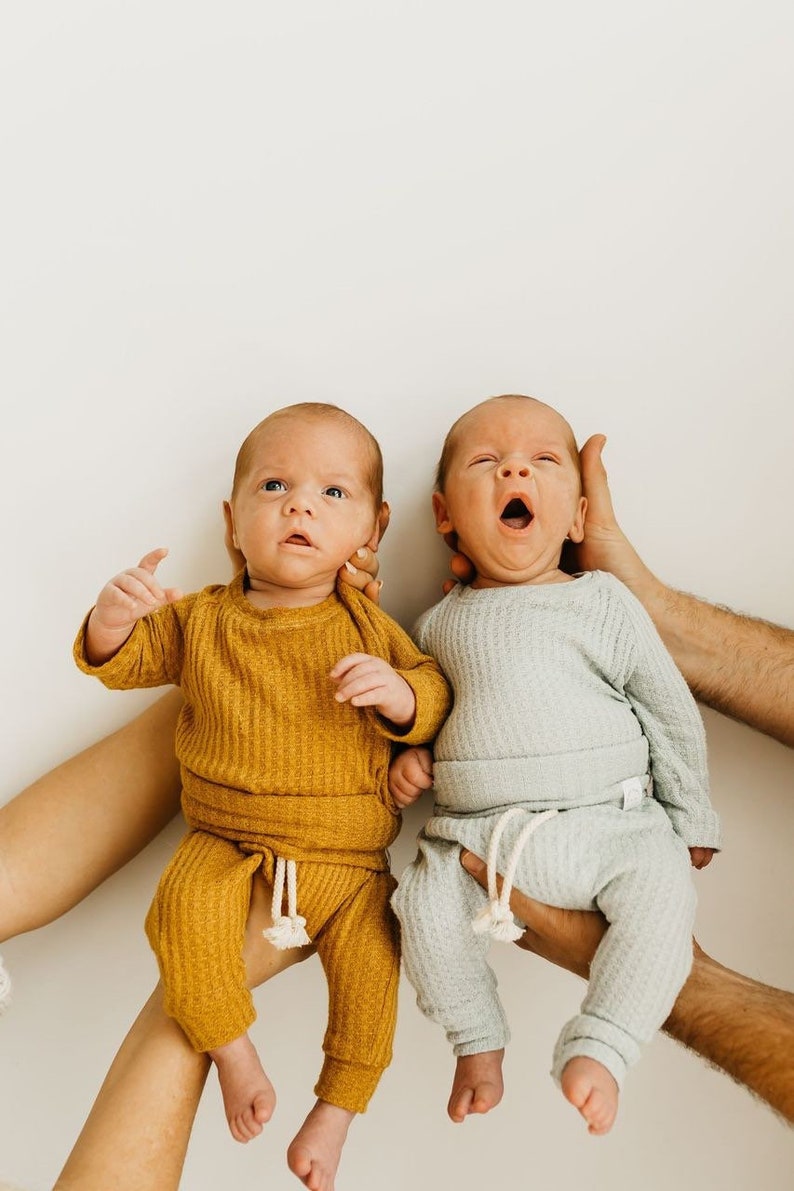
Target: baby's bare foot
{"points": [[248, 1095], [477, 1085], [316, 1149], [590, 1088]]}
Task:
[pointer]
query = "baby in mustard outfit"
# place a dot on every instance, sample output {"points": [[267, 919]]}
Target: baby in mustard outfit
{"points": [[295, 690]]}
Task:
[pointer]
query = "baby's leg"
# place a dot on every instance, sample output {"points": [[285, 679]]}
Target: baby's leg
{"points": [[446, 962], [359, 950], [137, 1133], [643, 960], [196, 926]]}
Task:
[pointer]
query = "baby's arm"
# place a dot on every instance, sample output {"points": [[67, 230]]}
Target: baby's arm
{"points": [[366, 681], [672, 724], [410, 773], [123, 601]]}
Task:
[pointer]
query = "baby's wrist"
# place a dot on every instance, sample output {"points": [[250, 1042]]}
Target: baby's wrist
{"points": [[401, 711]]}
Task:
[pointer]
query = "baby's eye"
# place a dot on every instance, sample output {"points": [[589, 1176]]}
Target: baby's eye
{"points": [[547, 459], [483, 459], [274, 486], [334, 491]]}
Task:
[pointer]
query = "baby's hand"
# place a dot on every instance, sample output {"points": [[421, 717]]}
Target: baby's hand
{"points": [[410, 773], [701, 856], [367, 681], [123, 601]]}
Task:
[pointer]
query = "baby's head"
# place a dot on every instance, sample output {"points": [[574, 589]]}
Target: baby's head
{"points": [[307, 493], [509, 485]]}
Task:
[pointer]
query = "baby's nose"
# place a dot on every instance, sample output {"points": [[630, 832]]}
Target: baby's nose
{"points": [[514, 467], [297, 503]]}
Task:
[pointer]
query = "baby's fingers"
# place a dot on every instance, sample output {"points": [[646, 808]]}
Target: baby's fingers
{"points": [[362, 689], [152, 560], [417, 775], [137, 587]]}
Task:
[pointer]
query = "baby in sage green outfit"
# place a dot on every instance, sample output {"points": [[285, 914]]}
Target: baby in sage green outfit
{"points": [[574, 758]]}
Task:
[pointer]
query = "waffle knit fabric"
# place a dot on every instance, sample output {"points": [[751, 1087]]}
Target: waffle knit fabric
{"points": [[273, 766], [563, 692]]}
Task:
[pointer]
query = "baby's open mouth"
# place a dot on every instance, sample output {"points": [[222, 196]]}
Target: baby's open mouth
{"points": [[297, 539], [516, 514]]}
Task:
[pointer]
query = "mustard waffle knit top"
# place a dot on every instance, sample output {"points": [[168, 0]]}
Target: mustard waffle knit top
{"points": [[268, 757]]}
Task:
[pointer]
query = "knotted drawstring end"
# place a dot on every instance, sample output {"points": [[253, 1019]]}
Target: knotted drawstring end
{"points": [[497, 921], [288, 930]]}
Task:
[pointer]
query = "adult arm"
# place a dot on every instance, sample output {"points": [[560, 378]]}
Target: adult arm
{"points": [[740, 1026], [741, 666], [136, 1135], [74, 827]]}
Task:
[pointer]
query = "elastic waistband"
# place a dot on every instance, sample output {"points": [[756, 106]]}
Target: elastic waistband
{"points": [[539, 783], [341, 829]]}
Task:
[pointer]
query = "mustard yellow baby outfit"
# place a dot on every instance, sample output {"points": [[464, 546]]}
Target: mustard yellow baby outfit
{"points": [[275, 772]]}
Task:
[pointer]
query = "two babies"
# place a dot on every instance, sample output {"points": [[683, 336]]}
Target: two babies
{"points": [[570, 725]]}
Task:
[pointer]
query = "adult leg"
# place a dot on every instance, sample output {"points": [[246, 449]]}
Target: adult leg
{"points": [[62, 836], [137, 1132]]}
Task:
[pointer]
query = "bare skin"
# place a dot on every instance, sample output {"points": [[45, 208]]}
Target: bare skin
{"points": [[137, 1133], [315, 1151], [249, 1098], [739, 665], [477, 1085], [592, 1090]]}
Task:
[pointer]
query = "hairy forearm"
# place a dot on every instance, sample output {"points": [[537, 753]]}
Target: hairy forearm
{"points": [[738, 665], [744, 1028]]}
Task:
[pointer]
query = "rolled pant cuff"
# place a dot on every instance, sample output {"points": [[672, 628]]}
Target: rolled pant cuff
{"points": [[212, 1034], [495, 1041], [346, 1084], [589, 1048]]}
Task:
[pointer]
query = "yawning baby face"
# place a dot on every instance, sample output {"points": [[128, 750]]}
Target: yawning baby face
{"points": [[512, 491]]}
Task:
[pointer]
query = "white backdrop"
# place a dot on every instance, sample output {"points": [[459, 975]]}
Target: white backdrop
{"points": [[209, 211]]}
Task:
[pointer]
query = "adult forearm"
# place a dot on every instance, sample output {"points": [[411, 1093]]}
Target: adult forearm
{"points": [[62, 836], [743, 1027], [738, 665]]}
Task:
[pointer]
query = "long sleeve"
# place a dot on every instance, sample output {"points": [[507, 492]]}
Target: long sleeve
{"points": [[152, 655], [674, 729], [383, 637]]}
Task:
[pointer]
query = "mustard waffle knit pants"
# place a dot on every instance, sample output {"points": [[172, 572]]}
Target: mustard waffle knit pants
{"points": [[196, 926]]}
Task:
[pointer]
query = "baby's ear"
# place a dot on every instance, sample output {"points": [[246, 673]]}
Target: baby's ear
{"points": [[381, 525], [576, 532], [441, 513]]}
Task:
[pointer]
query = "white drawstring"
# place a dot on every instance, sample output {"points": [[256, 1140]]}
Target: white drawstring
{"points": [[288, 930], [5, 987], [496, 919]]}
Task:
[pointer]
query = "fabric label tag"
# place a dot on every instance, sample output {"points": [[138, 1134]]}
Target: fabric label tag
{"points": [[633, 793]]}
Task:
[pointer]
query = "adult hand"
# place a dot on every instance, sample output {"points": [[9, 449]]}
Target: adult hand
{"points": [[604, 547], [568, 938]]}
